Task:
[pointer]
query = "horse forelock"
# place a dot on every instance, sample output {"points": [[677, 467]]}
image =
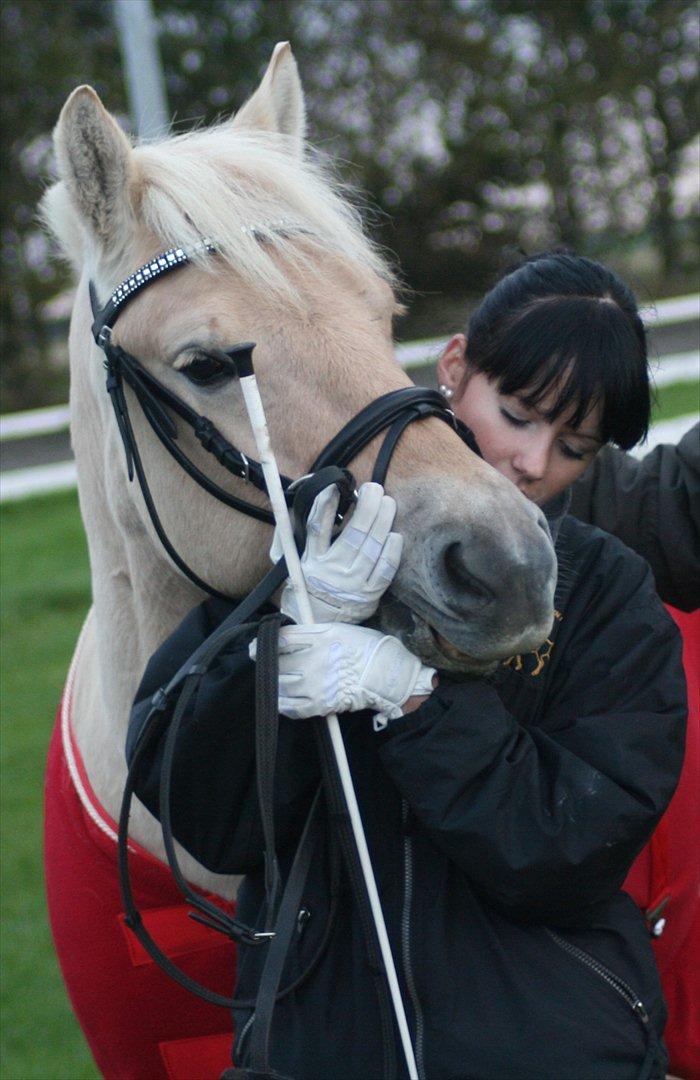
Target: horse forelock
{"points": [[248, 191], [254, 198]]}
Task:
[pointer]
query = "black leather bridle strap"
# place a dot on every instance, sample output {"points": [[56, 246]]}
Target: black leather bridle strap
{"points": [[156, 267], [277, 950], [386, 452], [149, 394], [132, 917], [150, 391], [266, 730], [205, 911], [381, 464], [376, 417], [155, 400], [135, 464]]}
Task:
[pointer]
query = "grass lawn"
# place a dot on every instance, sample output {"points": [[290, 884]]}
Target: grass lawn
{"points": [[45, 594], [677, 399]]}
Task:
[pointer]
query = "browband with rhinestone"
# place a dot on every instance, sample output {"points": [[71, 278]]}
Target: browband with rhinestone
{"points": [[131, 286], [170, 260]]}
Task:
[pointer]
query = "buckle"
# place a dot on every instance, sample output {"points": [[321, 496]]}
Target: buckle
{"points": [[231, 927], [104, 336]]}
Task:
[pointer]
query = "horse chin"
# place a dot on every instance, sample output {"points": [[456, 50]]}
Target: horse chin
{"points": [[396, 618]]}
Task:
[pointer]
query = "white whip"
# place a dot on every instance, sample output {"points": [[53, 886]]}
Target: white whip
{"points": [[256, 414]]}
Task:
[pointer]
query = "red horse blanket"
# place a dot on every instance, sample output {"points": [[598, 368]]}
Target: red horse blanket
{"points": [[139, 1023], [665, 881]]}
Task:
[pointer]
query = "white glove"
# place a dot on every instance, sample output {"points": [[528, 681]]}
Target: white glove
{"points": [[337, 668], [346, 578]]}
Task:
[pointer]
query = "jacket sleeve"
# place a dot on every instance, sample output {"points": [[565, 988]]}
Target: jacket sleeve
{"points": [[214, 802], [546, 820], [653, 506]]}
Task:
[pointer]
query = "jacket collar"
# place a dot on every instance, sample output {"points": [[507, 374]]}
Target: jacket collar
{"points": [[555, 512]]}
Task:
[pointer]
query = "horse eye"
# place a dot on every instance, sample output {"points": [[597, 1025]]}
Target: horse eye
{"points": [[206, 370]]}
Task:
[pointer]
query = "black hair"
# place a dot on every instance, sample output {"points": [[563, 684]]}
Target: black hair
{"points": [[560, 321]]}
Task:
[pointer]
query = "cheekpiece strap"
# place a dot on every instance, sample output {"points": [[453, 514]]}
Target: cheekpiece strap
{"points": [[131, 286]]}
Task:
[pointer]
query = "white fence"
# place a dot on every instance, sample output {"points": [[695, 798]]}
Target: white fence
{"points": [[57, 476]]}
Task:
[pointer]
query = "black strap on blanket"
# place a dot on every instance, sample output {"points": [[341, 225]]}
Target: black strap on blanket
{"points": [[251, 1074]]}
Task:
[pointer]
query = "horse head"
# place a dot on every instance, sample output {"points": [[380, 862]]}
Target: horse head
{"points": [[292, 271]]}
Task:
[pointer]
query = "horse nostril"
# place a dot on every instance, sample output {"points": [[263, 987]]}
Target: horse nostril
{"points": [[460, 576]]}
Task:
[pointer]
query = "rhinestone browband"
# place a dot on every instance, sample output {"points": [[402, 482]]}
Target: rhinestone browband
{"points": [[170, 260], [148, 271], [154, 268]]}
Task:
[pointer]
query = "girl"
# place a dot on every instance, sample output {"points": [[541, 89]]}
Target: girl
{"points": [[502, 811]]}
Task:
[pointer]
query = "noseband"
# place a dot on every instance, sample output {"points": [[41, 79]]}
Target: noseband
{"points": [[391, 413]]}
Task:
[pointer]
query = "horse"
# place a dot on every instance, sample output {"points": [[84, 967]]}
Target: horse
{"points": [[286, 264]]}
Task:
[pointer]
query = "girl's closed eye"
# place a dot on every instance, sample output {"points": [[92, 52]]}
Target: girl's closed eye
{"points": [[570, 452], [516, 421]]}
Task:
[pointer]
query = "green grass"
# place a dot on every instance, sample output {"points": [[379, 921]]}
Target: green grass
{"points": [[45, 594], [677, 399]]}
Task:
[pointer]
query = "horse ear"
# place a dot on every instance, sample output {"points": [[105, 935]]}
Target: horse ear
{"points": [[278, 103], [95, 162]]}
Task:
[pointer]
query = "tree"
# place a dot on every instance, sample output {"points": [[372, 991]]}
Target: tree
{"points": [[47, 50], [473, 125]]}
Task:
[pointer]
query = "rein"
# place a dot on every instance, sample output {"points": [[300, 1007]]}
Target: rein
{"points": [[391, 413]]}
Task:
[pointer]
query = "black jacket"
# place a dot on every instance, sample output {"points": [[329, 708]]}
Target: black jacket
{"points": [[502, 817], [653, 506]]}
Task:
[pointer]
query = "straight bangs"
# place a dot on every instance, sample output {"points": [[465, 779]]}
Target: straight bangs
{"points": [[578, 349]]}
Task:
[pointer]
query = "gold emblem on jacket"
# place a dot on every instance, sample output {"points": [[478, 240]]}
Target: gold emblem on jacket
{"points": [[533, 663]]}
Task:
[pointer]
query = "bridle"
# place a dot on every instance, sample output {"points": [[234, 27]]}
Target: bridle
{"points": [[392, 413]]}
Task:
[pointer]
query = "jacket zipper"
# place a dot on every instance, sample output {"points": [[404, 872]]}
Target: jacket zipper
{"points": [[241, 1038], [614, 981], [406, 942]]}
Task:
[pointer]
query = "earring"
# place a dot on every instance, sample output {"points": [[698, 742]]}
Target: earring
{"points": [[446, 391]]}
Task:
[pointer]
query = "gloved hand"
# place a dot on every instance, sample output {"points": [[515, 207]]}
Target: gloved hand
{"points": [[347, 577], [337, 668]]}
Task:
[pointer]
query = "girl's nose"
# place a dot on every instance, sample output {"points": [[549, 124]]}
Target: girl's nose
{"points": [[531, 460]]}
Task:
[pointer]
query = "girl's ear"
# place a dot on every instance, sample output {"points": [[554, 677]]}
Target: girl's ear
{"points": [[452, 365]]}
